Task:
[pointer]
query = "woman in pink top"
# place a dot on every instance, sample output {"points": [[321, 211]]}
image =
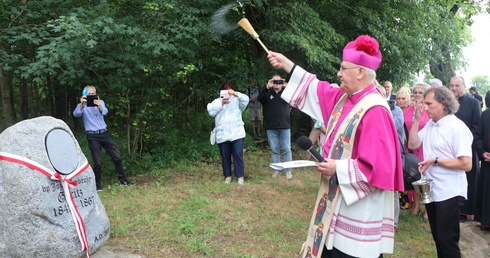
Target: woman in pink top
{"points": [[403, 98], [418, 99]]}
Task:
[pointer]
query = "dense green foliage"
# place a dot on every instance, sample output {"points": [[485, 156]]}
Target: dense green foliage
{"points": [[158, 63], [481, 83]]}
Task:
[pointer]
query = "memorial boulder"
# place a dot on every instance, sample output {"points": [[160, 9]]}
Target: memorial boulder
{"points": [[49, 202]]}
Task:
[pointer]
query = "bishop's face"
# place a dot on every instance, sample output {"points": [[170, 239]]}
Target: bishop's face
{"points": [[348, 75]]}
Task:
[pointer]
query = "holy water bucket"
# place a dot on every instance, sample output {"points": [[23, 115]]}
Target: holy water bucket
{"points": [[422, 187]]}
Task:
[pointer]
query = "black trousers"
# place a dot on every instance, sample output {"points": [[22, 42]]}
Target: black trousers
{"points": [[336, 253], [104, 140], [444, 225]]}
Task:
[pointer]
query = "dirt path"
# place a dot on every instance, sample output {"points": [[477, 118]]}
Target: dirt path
{"points": [[107, 252], [474, 242]]}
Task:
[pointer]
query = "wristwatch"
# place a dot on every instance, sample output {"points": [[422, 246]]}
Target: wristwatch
{"points": [[436, 161]]}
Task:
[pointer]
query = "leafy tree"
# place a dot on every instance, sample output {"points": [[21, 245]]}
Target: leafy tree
{"points": [[158, 63], [481, 83]]}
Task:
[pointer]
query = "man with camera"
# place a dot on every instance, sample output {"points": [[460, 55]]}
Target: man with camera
{"points": [[277, 121], [92, 110]]}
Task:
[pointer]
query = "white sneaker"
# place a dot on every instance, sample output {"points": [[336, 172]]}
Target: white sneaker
{"points": [[241, 181], [289, 175], [275, 174], [227, 180]]}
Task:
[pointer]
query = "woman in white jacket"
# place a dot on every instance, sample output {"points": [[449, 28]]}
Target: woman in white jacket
{"points": [[230, 131]]}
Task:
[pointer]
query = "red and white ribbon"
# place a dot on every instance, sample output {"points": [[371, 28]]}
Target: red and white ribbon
{"points": [[65, 182]]}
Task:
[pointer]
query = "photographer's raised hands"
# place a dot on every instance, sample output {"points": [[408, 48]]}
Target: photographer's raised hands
{"points": [[231, 93], [83, 99], [83, 102], [270, 83]]}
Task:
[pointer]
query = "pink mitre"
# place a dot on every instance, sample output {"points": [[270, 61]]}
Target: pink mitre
{"points": [[363, 51]]}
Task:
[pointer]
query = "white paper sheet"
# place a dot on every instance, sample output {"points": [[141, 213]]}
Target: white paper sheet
{"points": [[292, 164]]}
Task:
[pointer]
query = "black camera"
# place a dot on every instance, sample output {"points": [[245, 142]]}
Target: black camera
{"points": [[278, 82], [90, 100]]}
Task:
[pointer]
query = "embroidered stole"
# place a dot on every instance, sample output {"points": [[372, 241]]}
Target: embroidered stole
{"points": [[328, 192]]}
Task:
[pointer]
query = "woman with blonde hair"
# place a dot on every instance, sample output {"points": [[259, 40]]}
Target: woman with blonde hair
{"points": [[418, 91], [403, 98]]}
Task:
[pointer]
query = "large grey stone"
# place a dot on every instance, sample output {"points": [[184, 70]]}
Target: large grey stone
{"points": [[35, 218]]}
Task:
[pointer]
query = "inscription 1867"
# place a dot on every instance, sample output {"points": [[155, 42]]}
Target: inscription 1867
{"points": [[81, 203], [80, 199]]}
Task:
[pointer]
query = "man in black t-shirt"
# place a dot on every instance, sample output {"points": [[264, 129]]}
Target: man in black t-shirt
{"points": [[277, 115]]}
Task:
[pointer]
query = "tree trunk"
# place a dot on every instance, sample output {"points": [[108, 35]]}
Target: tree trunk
{"points": [[8, 114], [59, 100], [24, 100], [442, 68]]}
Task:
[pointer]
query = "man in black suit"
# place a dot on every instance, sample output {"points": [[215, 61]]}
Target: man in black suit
{"points": [[389, 88], [469, 112]]}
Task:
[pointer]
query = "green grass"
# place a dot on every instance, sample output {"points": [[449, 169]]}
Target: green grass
{"points": [[190, 212]]}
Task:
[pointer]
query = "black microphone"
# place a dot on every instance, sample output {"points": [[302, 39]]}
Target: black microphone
{"points": [[305, 144]]}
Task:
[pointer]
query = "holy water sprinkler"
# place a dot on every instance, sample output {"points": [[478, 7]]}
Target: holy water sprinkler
{"points": [[245, 24]]}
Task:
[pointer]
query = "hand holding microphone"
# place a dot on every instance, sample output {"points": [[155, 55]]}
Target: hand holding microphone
{"points": [[324, 167], [306, 144]]}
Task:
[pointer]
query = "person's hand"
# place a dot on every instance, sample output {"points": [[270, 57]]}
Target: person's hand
{"points": [[327, 168], [425, 164], [486, 156], [418, 107], [224, 101], [233, 93], [279, 61], [323, 129], [270, 84], [97, 101], [83, 99]]}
